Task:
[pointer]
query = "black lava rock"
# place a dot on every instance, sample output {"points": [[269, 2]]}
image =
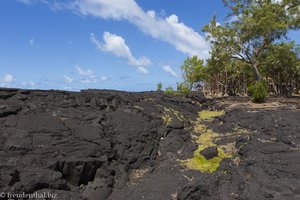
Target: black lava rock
{"points": [[241, 140], [209, 152], [6, 110], [102, 144]]}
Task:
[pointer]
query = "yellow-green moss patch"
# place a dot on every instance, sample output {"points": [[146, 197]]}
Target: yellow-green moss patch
{"points": [[209, 115], [207, 139], [199, 162]]}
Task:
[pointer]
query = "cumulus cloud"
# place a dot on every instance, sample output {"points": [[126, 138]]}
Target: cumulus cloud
{"points": [[170, 71], [116, 45], [7, 80], [168, 29], [68, 79], [86, 75]]}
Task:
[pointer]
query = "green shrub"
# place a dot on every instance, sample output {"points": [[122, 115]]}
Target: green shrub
{"points": [[182, 89], [169, 91], [159, 87], [258, 91]]}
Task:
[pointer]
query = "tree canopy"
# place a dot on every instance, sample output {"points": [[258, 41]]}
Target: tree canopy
{"points": [[252, 45], [193, 72], [250, 29], [250, 51]]}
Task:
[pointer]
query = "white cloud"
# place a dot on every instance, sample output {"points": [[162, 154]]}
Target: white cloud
{"points": [[83, 72], [103, 78], [29, 84], [168, 29], [86, 80], [68, 79], [170, 71], [31, 42], [116, 45], [142, 70], [7, 80], [151, 13], [86, 75]]}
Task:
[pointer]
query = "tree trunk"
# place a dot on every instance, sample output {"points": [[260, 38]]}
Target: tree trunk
{"points": [[257, 74]]}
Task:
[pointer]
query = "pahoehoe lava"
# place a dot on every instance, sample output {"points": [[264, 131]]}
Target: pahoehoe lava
{"points": [[102, 144]]}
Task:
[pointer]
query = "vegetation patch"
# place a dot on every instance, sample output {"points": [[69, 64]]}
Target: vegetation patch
{"points": [[258, 91], [207, 139], [167, 118], [209, 115], [199, 162]]}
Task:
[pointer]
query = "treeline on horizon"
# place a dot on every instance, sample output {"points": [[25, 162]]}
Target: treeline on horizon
{"points": [[251, 53]]}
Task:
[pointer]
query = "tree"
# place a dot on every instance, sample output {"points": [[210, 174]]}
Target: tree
{"points": [[281, 68], [159, 87], [232, 77], [183, 89], [192, 69], [250, 29]]}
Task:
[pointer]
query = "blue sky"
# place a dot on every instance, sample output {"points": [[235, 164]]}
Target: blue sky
{"points": [[104, 44]]}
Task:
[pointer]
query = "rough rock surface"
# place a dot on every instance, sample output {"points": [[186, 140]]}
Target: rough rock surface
{"points": [[209, 152], [98, 145], [268, 144]]}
